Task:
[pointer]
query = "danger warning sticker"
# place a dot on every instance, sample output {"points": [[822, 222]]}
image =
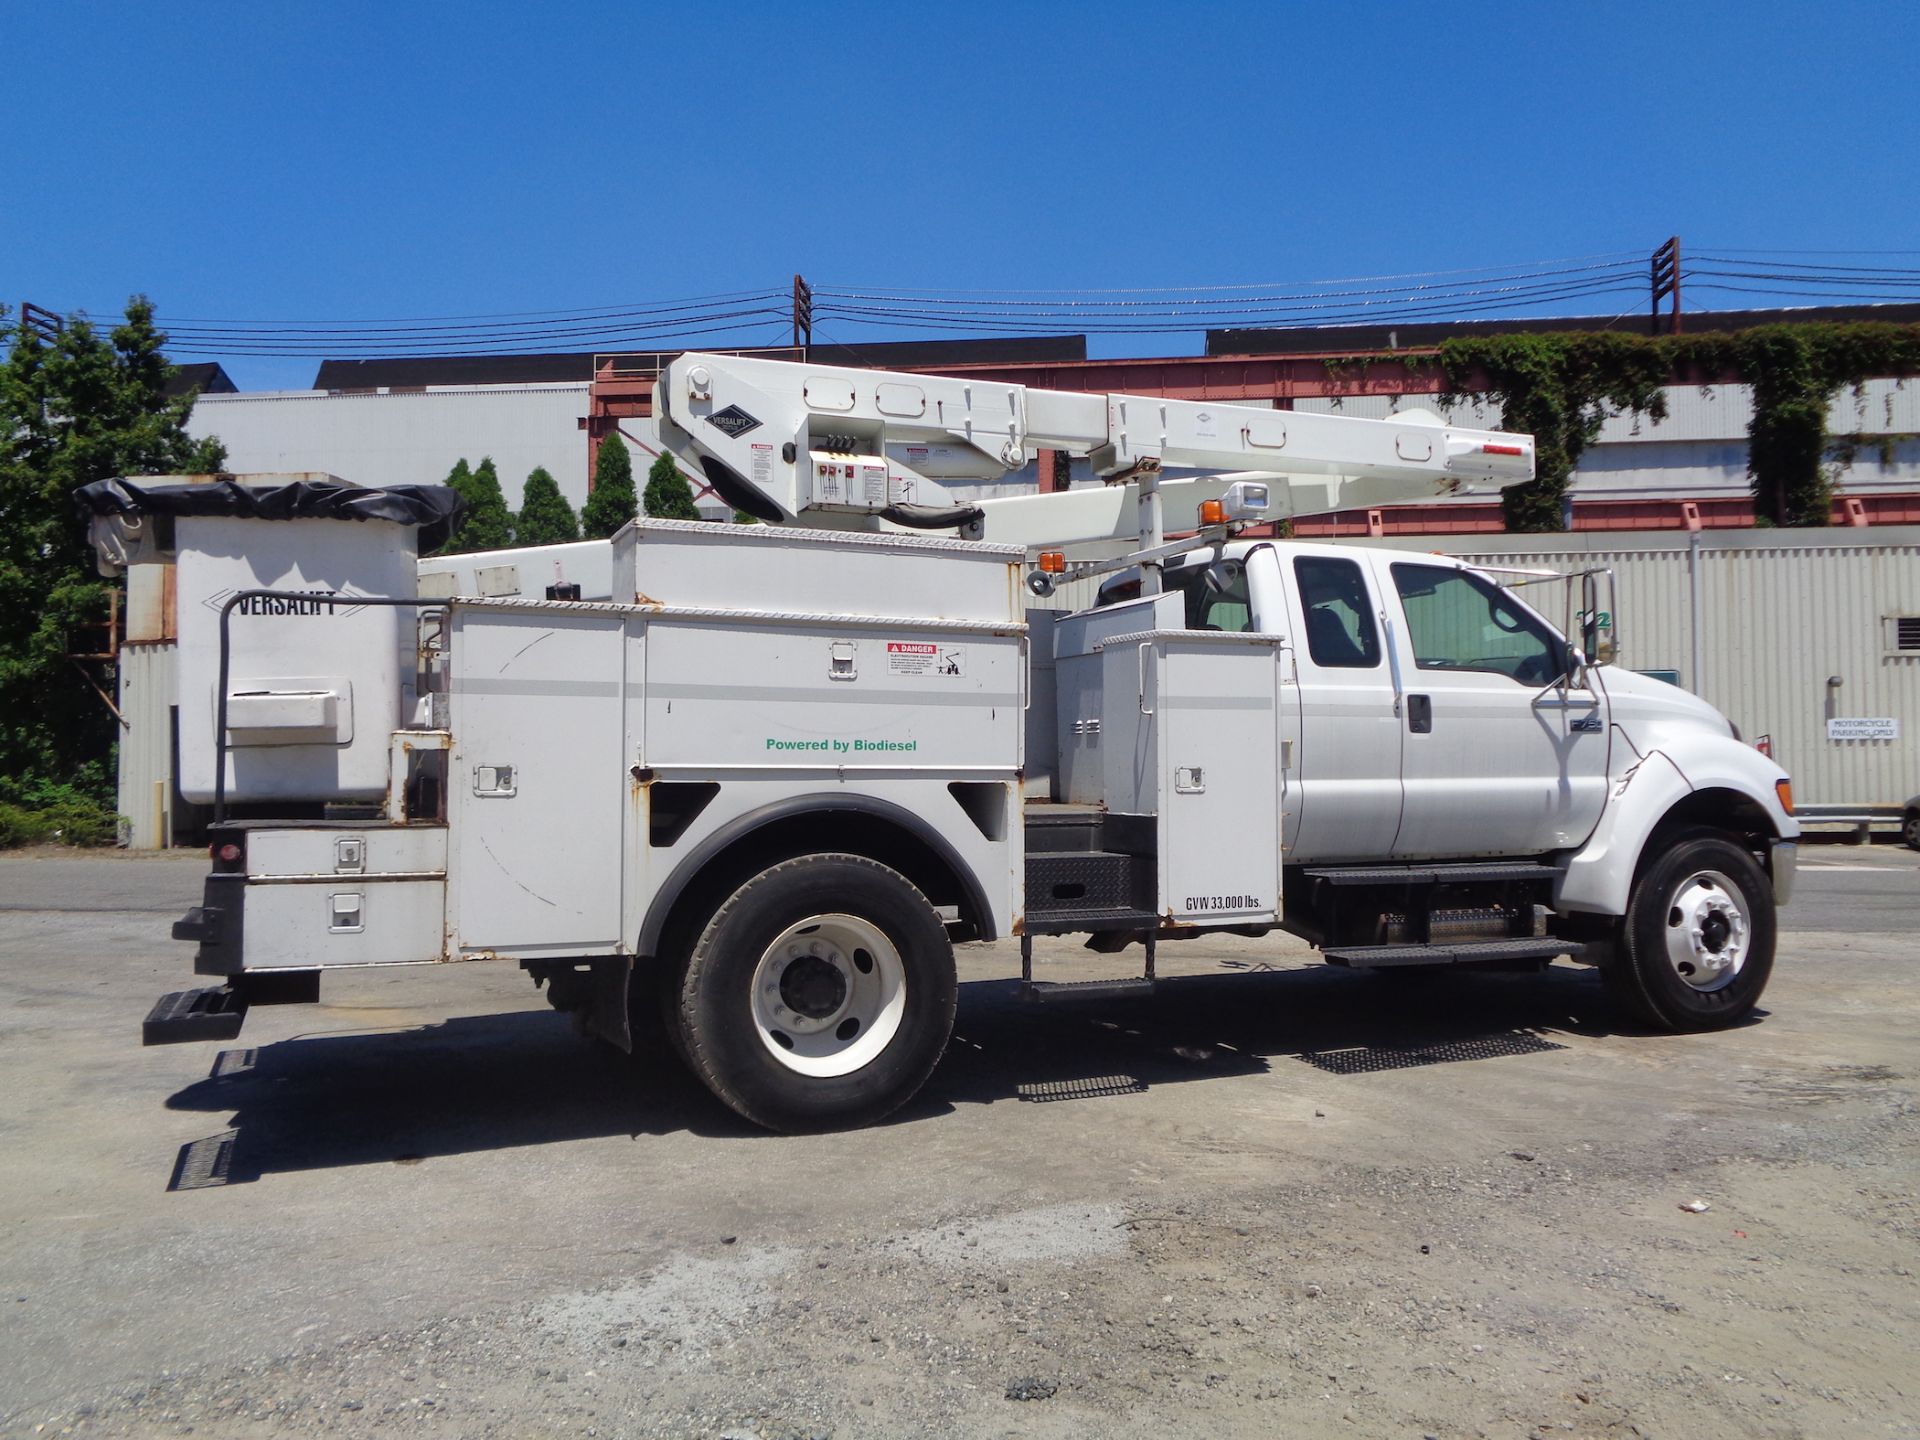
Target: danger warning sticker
{"points": [[909, 657]]}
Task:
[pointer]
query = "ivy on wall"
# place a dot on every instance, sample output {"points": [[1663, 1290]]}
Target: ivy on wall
{"points": [[1561, 386]]}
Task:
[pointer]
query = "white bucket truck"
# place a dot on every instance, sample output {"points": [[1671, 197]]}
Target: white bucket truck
{"points": [[769, 783]]}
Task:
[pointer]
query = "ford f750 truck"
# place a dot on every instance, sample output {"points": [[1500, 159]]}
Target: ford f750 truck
{"points": [[769, 780]]}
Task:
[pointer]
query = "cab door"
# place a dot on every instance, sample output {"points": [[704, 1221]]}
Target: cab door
{"points": [[1342, 771], [1496, 759]]}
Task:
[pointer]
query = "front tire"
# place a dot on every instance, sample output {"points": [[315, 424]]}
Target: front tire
{"points": [[1698, 939], [1910, 830], [819, 996]]}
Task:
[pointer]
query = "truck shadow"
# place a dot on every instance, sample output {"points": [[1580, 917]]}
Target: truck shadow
{"points": [[493, 1082], [1204, 1026]]}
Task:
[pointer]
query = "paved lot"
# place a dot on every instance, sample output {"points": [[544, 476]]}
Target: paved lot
{"points": [[1293, 1201]]}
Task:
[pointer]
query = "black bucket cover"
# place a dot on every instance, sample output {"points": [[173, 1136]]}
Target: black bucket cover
{"points": [[436, 509]]}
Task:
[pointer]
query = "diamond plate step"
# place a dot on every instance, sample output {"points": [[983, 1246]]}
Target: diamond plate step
{"points": [[1529, 948]]}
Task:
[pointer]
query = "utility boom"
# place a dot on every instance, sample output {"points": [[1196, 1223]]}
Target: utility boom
{"points": [[780, 439]]}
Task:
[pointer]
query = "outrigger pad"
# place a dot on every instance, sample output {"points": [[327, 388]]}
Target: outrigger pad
{"points": [[215, 1013]]}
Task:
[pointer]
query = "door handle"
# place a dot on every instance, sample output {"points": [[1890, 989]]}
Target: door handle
{"points": [[1420, 714]]}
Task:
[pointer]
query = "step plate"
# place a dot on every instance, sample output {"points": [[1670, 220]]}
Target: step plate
{"points": [[1469, 874], [215, 1013], [1078, 922], [1467, 953]]}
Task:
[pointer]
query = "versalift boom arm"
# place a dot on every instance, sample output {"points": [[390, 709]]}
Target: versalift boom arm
{"points": [[852, 448]]}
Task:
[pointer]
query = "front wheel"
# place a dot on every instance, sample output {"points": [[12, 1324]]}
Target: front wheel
{"points": [[820, 995], [1910, 830], [1698, 937]]}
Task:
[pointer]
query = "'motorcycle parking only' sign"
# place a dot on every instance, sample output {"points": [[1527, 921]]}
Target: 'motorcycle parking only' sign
{"points": [[1863, 727]]}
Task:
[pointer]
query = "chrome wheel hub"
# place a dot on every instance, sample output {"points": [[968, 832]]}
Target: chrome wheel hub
{"points": [[1708, 932], [828, 995]]}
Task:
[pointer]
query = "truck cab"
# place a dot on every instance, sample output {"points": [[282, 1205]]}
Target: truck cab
{"points": [[1452, 765]]}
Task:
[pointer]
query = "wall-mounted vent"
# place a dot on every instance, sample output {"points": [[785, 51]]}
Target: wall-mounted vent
{"points": [[1903, 634]]}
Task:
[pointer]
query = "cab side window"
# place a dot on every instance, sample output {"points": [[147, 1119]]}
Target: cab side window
{"points": [[1341, 633], [1457, 620]]}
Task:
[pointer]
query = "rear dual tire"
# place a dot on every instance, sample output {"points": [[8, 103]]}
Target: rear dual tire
{"points": [[820, 995]]}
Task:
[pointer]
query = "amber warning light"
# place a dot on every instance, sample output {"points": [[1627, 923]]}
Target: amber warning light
{"points": [[1053, 562]]}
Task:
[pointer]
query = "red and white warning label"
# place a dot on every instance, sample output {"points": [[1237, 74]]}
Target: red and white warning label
{"points": [[910, 657]]}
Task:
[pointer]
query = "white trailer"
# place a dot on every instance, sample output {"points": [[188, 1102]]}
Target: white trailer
{"points": [[769, 783]]}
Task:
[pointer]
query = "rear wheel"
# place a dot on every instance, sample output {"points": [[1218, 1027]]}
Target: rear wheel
{"points": [[821, 994], [1698, 938], [1910, 830]]}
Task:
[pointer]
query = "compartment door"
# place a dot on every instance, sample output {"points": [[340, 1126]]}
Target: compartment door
{"points": [[537, 783], [1218, 698]]}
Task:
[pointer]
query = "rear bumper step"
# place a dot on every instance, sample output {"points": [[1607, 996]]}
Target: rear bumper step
{"points": [[1468, 953], [215, 1013]]}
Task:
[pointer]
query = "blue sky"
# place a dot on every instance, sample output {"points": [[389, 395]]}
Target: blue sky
{"points": [[374, 161]]}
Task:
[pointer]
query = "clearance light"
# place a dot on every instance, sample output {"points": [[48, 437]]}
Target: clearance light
{"points": [[1053, 562], [1491, 449], [1784, 789], [1212, 512]]}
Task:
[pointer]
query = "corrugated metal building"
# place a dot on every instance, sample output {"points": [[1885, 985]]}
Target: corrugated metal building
{"points": [[1758, 623], [414, 437], [1781, 630], [1699, 450], [411, 437]]}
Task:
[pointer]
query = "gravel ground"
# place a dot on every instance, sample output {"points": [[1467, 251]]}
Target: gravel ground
{"points": [[1293, 1201]]}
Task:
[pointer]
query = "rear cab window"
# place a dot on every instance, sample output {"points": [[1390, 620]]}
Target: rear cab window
{"points": [[1220, 604], [1341, 631]]}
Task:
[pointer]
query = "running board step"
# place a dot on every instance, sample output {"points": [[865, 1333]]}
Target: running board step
{"points": [[215, 1013], [1084, 989], [1076, 922], [1527, 948], [1465, 874]]}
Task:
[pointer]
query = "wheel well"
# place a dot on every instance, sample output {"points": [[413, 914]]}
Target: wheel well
{"points": [[815, 832], [1715, 809], [1719, 809]]}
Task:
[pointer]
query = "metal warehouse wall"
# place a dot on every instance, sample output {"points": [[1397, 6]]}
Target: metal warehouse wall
{"points": [[146, 744], [1700, 449], [1780, 612], [412, 438]]}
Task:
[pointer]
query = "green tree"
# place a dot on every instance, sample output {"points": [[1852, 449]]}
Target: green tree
{"points": [[73, 409], [611, 504], [486, 525], [545, 516], [668, 496]]}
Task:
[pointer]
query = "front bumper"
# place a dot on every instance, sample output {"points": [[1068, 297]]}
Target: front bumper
{"points": [[1783, 861]]}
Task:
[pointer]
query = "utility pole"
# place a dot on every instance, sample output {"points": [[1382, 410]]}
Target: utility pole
{"points": [[40, 321], [1663, 274], [802, 315]]}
